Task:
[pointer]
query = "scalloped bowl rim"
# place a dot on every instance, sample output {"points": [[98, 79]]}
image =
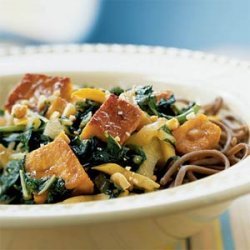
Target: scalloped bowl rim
{"points": [[205, 192]]}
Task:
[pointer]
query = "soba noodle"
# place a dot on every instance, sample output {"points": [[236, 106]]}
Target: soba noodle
{"points": [[233, 147]]}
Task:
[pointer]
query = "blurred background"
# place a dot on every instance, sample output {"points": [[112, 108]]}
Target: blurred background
{"points": [[218, 26]]}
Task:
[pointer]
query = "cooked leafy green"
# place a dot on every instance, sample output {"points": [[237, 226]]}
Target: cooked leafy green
{"points": [[117, 91], [104, 185], [84, 109], [1, 112], [183, 116], [57, 191], [165, 107], [10, 187], [15, 188], [146, 100], [93, 152], [53, 185], [34, 185], [29, 139]]}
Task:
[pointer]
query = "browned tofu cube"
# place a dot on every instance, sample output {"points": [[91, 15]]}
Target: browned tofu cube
{"points": [[116, 117], [57, 158], [32, 86]]}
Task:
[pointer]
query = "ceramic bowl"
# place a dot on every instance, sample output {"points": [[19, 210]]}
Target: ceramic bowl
{"points": [[150, 220]]}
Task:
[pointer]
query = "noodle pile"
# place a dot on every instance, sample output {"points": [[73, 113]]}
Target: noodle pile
{"points": [[233, 147]]}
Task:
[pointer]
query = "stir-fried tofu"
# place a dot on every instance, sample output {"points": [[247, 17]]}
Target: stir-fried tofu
{"points": [[32, 86], [116, 117], [57, 158]]}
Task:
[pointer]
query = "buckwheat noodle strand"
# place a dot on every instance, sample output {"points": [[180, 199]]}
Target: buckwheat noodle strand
{"points": [[233, 148]]}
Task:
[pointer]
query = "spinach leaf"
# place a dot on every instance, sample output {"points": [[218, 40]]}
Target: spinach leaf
{"points": [[117, 90], [10, 187], [104, 185], [165, 108], [30, 139], [34, 185], [146, 100], [182, 117], [36, 139], [83, 111], [24, 138], [93, 152], [1, 112], [57, 191]]}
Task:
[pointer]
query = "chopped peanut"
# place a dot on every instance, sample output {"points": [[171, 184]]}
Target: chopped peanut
{"points": [[69, 110], [19, 111]]}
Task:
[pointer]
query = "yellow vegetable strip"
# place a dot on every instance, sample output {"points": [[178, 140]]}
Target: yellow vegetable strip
{"points": [[167, 151], [145, 135], [96, 95], [136, 179], [153, 155]]}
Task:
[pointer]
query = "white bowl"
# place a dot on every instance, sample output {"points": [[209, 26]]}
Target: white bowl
{"points": [[150, 220]]}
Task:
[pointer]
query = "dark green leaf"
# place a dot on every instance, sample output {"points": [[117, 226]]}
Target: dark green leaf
{"points": [[30, 140], [183, 116], [10, 181], [57, 191], [93, 152], [104, 185], [165, 106], [116, 90], [83, 110], [146, 100], [34, 185]]}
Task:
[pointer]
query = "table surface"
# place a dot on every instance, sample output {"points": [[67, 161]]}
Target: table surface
{"points": [[231, 231]]}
